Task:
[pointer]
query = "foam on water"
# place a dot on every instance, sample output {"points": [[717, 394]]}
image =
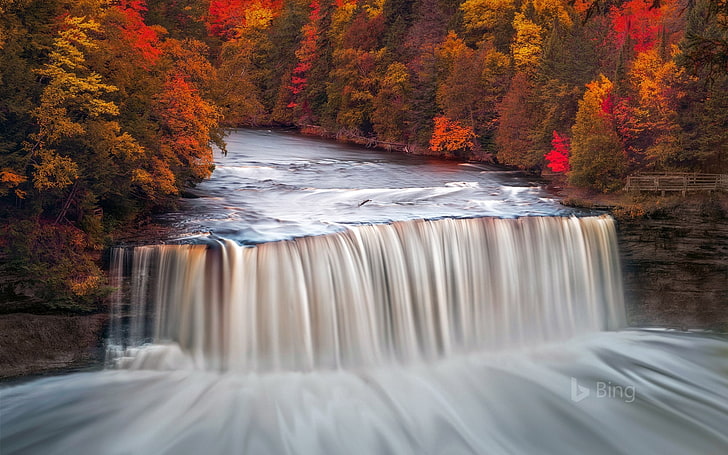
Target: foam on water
{"points": [[483, 403]]}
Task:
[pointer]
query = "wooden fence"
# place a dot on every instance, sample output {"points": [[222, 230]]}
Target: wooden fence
{"points": [[677, 182]]}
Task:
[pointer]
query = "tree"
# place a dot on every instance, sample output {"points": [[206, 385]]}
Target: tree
{"points": [[10, 180], [517, 126], [485, 15], [558, 157], [350, 92], [597, 156], [706, 44], [391, 104], [484, 19], [183, 19], [659, 89], [527, 44], [306, 55], [72, 96], [187, 122], [471, 84], [138, 35], [234, 90], [451, 138]]}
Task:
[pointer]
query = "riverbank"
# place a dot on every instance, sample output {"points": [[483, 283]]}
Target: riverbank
{"points": [[347, 137]]}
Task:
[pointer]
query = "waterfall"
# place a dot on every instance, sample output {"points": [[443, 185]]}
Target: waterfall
{"points": [[372, 294]]}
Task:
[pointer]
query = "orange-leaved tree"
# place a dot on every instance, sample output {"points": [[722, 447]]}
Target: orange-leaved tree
{"points": [[451, 137], [187, 125]]}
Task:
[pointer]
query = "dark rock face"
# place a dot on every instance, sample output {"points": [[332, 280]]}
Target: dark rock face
{"points": [[675, 265], [32, 344]]}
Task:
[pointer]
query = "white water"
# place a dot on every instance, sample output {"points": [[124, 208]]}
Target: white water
{"points": [[372, 295], [498, 403], [275, 186]]}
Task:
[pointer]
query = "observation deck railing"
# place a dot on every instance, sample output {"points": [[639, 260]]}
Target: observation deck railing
{"points": [[677, 182]]}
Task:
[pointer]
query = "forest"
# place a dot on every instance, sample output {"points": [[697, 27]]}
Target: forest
{"points": [[110, 109]]}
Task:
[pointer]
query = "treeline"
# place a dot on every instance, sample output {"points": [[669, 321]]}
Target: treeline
{"points": [[108, 109], [591, 89], [103, 119]]}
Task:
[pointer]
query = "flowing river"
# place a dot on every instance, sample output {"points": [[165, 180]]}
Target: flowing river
{"points": [[336, 300]]}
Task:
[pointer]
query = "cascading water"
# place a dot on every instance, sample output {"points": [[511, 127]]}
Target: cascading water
{"points": [[370, 295]]}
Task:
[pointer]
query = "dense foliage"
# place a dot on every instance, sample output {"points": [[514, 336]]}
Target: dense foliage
{"points": [[103, 118], [108, 108], [622, 86]]}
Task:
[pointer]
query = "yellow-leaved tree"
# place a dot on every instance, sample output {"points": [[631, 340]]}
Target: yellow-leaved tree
{"points": [[597, 155], [73, 96]]}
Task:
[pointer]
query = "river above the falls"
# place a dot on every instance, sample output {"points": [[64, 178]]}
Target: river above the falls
{"points": [[278, 184]]}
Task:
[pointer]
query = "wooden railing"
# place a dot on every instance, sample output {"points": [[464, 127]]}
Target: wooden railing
{"points": [[677, 182]]}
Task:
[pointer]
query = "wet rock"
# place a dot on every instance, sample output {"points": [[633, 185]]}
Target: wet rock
{"points": [[676, 267]]}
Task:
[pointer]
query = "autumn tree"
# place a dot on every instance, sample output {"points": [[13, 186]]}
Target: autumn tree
{"points": [[429, 29], [391, 104], [96, 129], [182, 19], [224, 16], [703, 113], [137, 34], [570, 59], [353, 79], [706, 38], [489, 18], [527, 44], [237, 95], [186, 121], [451, 138], [50, 169], [558, 157], [517, 126], [72, 96], [309, 76], [471, 85], [23, 39], [597, 155], [659, 88]]}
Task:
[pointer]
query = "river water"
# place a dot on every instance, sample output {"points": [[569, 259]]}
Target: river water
{"points": [[332, 300], [277, 185]]}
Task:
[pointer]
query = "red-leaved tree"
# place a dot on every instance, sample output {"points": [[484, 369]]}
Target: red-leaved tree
{"points": [[558, 157], [141, 37]]}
